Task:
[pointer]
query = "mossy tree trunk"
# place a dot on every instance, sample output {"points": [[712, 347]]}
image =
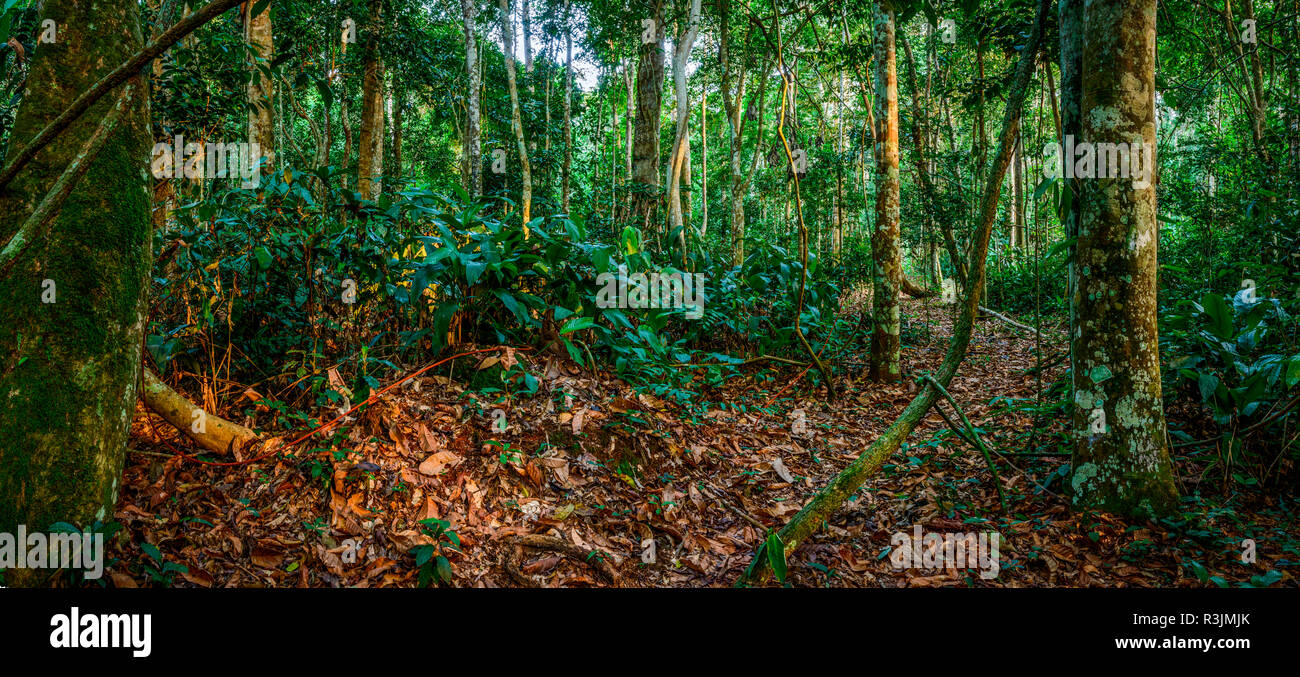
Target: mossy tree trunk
{"points": [[649, 93], [1121, 457], [370, 155], [74, 301], [886, 362]]}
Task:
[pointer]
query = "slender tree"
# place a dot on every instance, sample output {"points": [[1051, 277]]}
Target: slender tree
{"points": [[516, 121], [261, 92], [649, 94], [886, 361], [473, 157]]}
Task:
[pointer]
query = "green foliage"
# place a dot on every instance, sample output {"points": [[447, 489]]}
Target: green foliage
{"points": [[432, 558], [1231, 354]]}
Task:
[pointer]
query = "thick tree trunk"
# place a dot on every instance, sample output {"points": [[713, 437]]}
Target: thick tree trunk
{"points": [[1121, 458], [74, 301], [516, 121], [261, 92], [370, 159], [886, 361], [645, 147]]}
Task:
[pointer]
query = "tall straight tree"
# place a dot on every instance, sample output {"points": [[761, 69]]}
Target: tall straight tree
{"points": [[568, 110], [261, 119], [74, 299], [473, 128], [370, 158], [680, 156], [733, 102], [649, 93], [516, 121], [886, 361], [1121, 456]]}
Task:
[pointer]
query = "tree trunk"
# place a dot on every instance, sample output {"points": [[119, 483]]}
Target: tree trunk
{"points": [[704, 163], [261, 123], [399, 95], [1121, 458], [370, 160], [923, 172], [74, 301], [516, 122], [886, 361], [630, 83], [473, 135], [566, 179], [681, 138], [645, 147]]}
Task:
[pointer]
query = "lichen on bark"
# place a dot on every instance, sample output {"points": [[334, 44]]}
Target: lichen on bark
{"points": [[1121, 459]]}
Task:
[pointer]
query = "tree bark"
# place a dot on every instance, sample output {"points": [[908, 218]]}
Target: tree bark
{"points": [[215, 434], [516, 122], [261, 91], [1121, 458], [370, 159], [681, 140], [473, 132], [645, 146], [566, 178], [886, 361], [74, 301]]}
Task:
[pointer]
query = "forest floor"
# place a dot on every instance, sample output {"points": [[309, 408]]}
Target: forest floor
{"points": [[621, 488]]}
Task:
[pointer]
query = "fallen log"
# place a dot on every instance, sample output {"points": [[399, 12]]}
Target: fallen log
{"points": [[1004, 318], [916, 291], [209, 431]]}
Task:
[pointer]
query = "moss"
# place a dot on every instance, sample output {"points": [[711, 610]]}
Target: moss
{"points": [[68, 370]]}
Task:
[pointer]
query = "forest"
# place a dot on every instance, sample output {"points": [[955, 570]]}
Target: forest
{"points": [[649, 293]]}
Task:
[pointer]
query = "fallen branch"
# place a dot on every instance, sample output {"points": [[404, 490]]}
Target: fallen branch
{"points": [[1008, 320], [597, 559], [215, 434], [916, 291], [973, 437]]}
